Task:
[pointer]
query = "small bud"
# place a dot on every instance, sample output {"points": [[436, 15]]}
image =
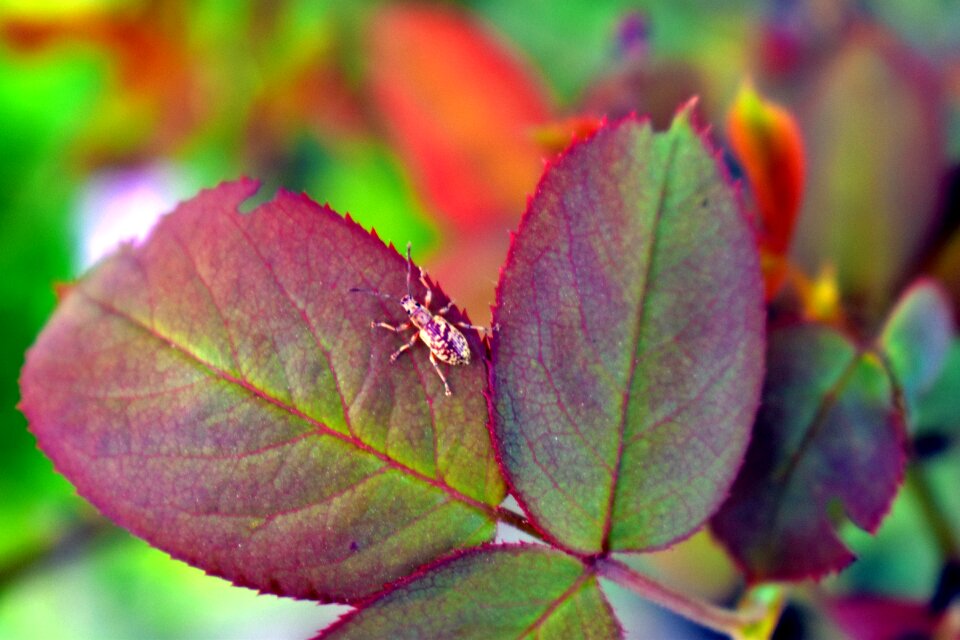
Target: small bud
{"points": [[767, 142]]}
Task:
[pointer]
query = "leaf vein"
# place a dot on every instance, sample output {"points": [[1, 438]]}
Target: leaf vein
{"points": [[641, 319], [213, 302], [317, 426], [537, 624], [324, 349]]}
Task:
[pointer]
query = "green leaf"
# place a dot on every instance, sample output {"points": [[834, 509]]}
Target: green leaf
{"points": [[628, 363], [517, 591], [219, 392], [936, 410], [829, 441], [361, 177], [916, 338]]}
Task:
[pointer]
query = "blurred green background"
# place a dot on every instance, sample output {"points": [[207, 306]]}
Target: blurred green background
{"points": [[112, 111]]}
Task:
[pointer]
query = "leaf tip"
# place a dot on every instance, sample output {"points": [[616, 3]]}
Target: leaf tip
{"points": [[62, 289], [686, 112]]}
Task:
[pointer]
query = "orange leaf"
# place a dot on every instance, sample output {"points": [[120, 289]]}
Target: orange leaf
{"points": [[767, 141], [460, 108], [555, 136]]}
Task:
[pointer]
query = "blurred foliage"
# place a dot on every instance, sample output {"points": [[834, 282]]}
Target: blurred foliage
{"points": [[206, 91], [101, 592], [38, 243]]}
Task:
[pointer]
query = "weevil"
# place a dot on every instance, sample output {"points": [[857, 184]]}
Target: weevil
{"points": [[446, 343]]}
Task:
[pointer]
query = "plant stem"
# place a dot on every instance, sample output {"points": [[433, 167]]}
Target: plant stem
{"points": [[940, 526], [706, 614]]}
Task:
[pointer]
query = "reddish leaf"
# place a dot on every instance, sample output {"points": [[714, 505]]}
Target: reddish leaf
{"points": [[219, 392], [460, 107], [556, 136], [828, 435], [879, 618], [628, 363], [515, 591]]}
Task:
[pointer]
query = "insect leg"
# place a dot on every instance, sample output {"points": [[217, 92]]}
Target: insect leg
{"points": [[396, 329], [423, 280], [409, 263], [445, 309], [410, 343], [436, 367], [483, 331]]}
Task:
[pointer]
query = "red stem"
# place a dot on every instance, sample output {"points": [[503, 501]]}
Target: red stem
{"points": [[699, 611]]}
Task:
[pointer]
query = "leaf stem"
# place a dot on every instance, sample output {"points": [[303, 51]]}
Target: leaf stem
{"points": [[940, 527], [917, 481], [733, 623]]}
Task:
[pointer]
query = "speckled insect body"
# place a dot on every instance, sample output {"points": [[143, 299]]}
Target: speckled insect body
{"points": [[446, 343]]}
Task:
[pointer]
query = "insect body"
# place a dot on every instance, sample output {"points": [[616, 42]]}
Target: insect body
{"points": [[446, 343]]}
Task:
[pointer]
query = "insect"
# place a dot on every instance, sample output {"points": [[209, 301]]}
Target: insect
{"points": [[447, 344]]}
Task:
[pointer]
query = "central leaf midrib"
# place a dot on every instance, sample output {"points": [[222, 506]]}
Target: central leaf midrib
{"points": [[786, 474], [319, 428], [647, 267]]}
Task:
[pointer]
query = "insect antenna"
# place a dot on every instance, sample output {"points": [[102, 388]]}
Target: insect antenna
{"points": [[409, 270], [372, 292]]}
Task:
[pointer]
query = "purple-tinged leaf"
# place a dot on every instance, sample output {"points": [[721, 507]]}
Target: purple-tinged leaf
{"points": [[628, 363], [916, 338], [515, 591], [220, 392], [882, 618], [829, 441]]}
